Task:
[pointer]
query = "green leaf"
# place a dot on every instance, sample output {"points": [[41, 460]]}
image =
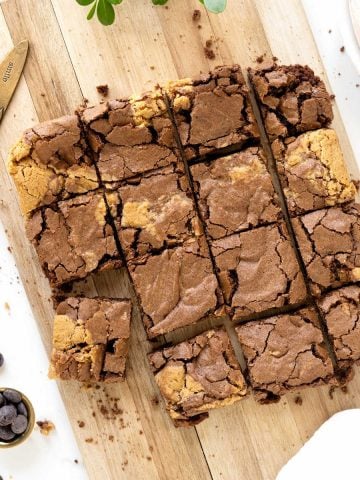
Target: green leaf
{"points": [[115, 2], [85, 2], [201, 1], [215, 6], [105, 12], [92, 12], [159, 2]]}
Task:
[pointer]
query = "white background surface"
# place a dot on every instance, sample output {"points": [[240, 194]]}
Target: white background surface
{"points": [[52, 457]]}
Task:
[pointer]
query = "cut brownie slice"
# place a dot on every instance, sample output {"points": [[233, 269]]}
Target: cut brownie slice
{"points": [[198, 375], [292, 99], [154, 212], [90, 339], [213, 111], [50, 163], [329, 242], [235, 193], [284, 353], [341, 310], [312, 171], [73, 238], [176, 287], [258, 270], [130, 136]]}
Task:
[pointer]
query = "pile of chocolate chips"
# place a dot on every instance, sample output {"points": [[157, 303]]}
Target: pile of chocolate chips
{"points": [[13, 415]]}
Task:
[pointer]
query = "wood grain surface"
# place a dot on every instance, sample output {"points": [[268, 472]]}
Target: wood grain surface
{"points": [[69, 57]]}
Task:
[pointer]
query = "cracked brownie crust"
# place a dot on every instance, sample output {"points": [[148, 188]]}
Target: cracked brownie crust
{"points": [[292, 99], [329, 242], [258, 270], [312, 171], [155, 212], [213, 111], [90, 339], [235, 193], [50, 163], [73, 238], [130, 137], [176, 287], [198, 375], [284, 353], [341, 310]]}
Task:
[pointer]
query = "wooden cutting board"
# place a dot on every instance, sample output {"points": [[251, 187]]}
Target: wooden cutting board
{"points": [[69, 57]]}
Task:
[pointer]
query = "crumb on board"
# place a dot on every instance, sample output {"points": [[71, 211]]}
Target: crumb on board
{"points": [[103, 90], [155, 400], [152, 67], [196, 15], [6, 306], [209, 52], [89, 440], [46, 427], [260, 58], [331, 391], [111, 438], [298, 400], [342, 49], [76, 461], [344, 389], [332, 96], [81, 423]]}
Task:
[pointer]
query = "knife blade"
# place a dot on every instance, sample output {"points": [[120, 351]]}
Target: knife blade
{"points": [[10, 72]]}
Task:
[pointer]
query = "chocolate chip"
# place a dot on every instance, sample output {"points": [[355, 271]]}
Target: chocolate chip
{"points": [[7, 415], [12, 395], [1, 359], [21, 408], [6, 434], [19, 425]]}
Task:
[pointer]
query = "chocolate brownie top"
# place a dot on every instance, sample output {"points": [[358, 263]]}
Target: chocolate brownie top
{"points": [[130, 136], [312, 171], [329, 242], [176, 288], [155, 212], [50, 163], [213, 111], [73, 238], [284, 352], [293, 99], [341, 309], [258, 270], [198, 375], [90, 339], [235, 193]]}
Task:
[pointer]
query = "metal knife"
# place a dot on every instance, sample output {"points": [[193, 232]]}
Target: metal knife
{"points": [[10, 72]]}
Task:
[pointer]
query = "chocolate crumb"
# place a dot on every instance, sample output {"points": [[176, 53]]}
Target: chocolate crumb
{"points": [[344, 389], [148, 458], [275, 59], [151, 448], [152, 67], [196, 15], [260, 59], [140, 432], [89, 440], [298, 400], [9, 249], [81, 423], [342, 49], [209, 53], [330, 31], [332, 96], [199, 27], [331, 392], [208, 43], [46, 427], [111, 438], [103, 90], [155, 400], [42, 94], [357, 85], [76, 461]]}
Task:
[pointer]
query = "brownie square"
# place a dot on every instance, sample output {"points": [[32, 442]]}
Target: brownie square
{"points": [[50, 163], [90, 339], [329, 242], [154, 212], [130, 136], [235, 193], [284, 353], [341, 310], [213, 111], [73, 238], [258, 270], [312, 171], [198, 375], [176, 288], [292, 99]]}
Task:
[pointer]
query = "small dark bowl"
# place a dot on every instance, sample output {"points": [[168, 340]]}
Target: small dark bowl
{"points": [[31, 418]]}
